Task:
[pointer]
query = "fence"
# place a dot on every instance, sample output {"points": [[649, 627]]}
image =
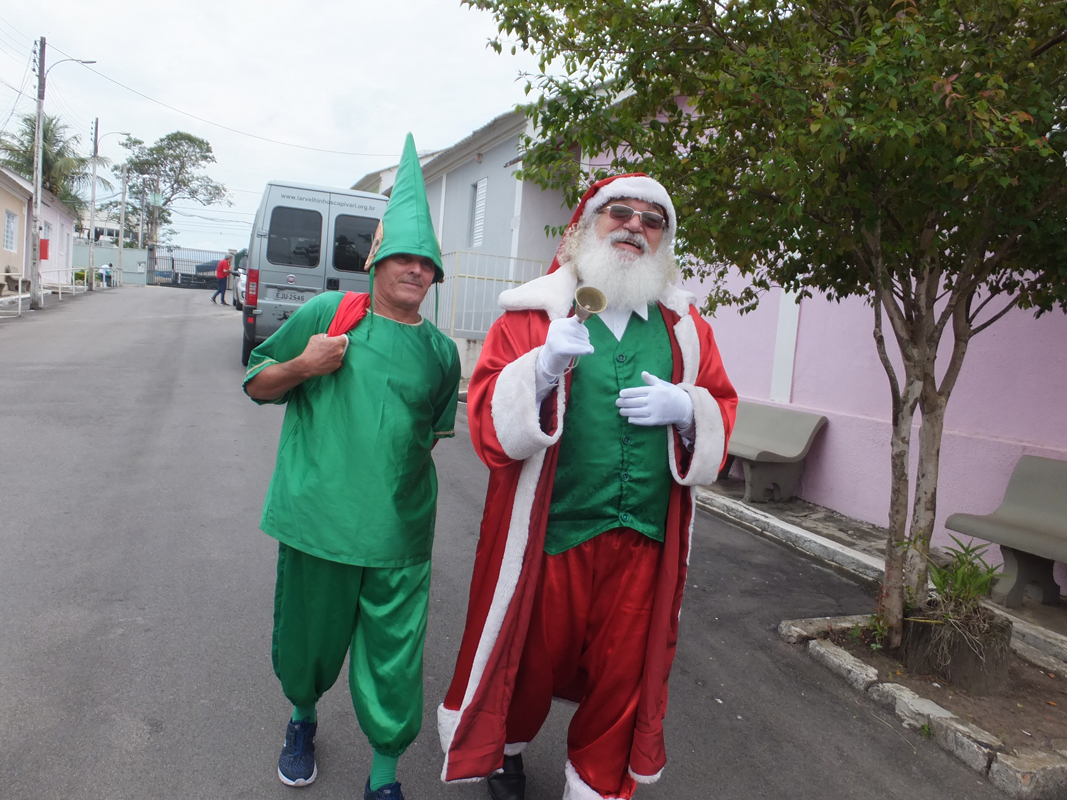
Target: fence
{"points": [[63, 279], [466, 304], [12, 295], [180, 266]]}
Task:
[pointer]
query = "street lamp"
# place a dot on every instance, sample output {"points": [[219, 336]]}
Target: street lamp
{"points": [[90, 278], [38, 146]]}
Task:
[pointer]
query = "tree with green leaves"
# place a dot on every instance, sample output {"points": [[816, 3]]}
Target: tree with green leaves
{"points": [[169, 170], [908, 152], [64, 171]]}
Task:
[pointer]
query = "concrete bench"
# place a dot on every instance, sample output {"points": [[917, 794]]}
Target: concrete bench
{"points": [[771, 442], [1030, 525]]}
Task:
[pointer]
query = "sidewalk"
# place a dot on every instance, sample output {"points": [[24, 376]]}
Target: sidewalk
{"points": [[856, 548]]}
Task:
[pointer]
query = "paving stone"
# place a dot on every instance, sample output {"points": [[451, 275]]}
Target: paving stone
{"points": [[1031, 774], [914, 711], [858, 674], [970, 744], [885, 694], [797, 631]]}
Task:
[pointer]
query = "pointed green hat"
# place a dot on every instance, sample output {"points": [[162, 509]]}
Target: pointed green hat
{"points": [[406, 226]]}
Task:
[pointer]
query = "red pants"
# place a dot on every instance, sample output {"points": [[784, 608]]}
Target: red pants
{"points": [[586, 643]]}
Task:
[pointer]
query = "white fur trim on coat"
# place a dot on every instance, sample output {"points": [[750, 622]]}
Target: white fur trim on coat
{"points": [[577, 789], [510, 569], [709, 441], [646, 779], [447, 720], [678, 300], [514, 748], [516, 412], [552, 293], [709, 438], [648, 189]]}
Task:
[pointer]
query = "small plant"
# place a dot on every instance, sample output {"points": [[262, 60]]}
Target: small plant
{"points": [[926, 731], [877, 630], [965, 580], [960, 585]]}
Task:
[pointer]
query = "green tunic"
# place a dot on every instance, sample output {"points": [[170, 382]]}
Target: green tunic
{"points": [[354, 480], [618, 476]]}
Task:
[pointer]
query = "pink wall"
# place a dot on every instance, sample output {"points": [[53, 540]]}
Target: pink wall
{"points": [[1008, 401], [746, 342]]}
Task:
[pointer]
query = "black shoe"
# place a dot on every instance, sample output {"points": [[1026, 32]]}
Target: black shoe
{"points": [[213, 300], [296, 765], [509, 784], [225, 304], [391, 791]]}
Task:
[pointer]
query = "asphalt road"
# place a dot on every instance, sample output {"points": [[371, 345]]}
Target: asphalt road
{"points": [[136, 595]]}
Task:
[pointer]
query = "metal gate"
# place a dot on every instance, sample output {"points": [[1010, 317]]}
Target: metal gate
{"points": [[182, 267]]}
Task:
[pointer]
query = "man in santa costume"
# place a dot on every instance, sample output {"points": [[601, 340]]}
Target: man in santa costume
{"points": [[596, 437], [370, 387]]}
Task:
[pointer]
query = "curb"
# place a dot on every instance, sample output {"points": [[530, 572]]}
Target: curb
{"points": [[1026, 637], [1026, 773], [857, 565]]}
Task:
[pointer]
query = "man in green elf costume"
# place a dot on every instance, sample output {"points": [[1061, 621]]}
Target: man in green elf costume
{"points": [[353, 499]]}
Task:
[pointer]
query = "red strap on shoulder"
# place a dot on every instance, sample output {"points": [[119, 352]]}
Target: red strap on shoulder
{"points": [[353, 308]]}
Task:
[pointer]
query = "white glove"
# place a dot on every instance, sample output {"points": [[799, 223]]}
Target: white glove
{"points": [[567, 338], [658, 403]]}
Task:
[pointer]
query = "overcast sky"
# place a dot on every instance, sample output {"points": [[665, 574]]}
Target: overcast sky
{"points": [[347, 75]]}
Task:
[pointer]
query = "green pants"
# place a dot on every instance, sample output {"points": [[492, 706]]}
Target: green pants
{"points": [[323, 609]]}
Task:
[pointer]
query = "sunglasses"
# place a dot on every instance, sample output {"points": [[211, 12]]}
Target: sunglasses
{"points": [[650, 219]]}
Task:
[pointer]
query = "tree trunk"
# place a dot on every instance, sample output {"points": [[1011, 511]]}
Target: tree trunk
{"points": [[924, 510], [891, 605], [933, 402], [905, 399]]}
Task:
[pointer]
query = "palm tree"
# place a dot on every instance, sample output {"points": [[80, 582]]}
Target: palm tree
{"points": [[64, 171]]}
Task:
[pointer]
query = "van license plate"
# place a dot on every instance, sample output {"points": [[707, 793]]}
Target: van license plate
{"points": [[290, 295]]}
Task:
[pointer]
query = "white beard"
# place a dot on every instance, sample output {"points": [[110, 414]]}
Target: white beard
{"points": [[627, 280]]}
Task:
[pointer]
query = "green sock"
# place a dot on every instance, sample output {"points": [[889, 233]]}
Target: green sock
{"points": [[382, 771], [304, 714]]}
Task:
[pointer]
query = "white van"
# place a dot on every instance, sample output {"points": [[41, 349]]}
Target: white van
{"points": [[305, 240]]}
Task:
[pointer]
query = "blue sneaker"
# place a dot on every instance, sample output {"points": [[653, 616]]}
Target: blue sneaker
{"points": [[391, 791], [296, 764]]}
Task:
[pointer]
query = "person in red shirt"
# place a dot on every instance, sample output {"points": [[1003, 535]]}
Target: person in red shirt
{"points": [[222, 272]]}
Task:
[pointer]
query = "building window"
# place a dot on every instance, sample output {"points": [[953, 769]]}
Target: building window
{"points": [[11, 223], [477, 212], [47, 231]]}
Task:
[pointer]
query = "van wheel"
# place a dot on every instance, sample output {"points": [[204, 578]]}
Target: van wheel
{"points": [[237, 304], [246, 350]]}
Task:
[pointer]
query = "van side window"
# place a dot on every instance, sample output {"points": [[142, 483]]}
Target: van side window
{"points": [[352, 237], [295, 237]]}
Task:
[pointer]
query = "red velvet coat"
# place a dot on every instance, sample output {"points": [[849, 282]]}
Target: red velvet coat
{"points": [[519, 443]]}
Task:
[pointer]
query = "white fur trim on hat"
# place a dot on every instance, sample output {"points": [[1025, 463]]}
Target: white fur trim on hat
{"points": [[647, 189]]}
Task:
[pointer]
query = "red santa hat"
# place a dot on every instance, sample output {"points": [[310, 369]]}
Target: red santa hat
{"points": [[636, 185]]}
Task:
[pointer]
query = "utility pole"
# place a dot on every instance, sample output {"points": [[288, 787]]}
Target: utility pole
{"points": [[35, 239], [140, 221], [90, 277], [122, 227], [153, 235]]}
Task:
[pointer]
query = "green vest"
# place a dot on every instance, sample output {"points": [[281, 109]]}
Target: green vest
{"points": [[611, 474]]}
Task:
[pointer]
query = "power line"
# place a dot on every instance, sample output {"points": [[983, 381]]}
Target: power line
{"points": [[211, 219], [22, 87], [216, 210], [227, 127], [16, 30]]}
